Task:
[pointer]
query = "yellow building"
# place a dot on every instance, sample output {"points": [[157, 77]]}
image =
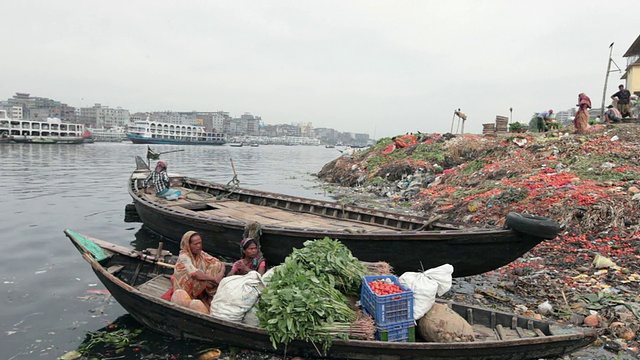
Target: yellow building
{"points": [[632, 72]]}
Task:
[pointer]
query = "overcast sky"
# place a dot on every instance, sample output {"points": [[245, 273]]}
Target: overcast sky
{"points": [[377, 67]]}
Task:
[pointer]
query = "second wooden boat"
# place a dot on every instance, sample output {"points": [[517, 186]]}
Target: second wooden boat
{"points": [[409, 243]]}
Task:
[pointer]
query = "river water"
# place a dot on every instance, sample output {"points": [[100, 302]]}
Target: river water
{"points": [[50, 298]]}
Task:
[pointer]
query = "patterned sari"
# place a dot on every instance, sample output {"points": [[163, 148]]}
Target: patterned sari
{"points": [[581, 121], [188, 264]]}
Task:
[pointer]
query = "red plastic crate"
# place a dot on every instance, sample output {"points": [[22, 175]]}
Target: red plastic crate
{"points": [[386, 309]]}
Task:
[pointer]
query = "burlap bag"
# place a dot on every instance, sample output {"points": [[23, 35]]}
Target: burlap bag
{"points": [[441, 324]]}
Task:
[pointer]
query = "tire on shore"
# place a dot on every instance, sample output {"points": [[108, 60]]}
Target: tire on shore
{"points": [[533, 225]]}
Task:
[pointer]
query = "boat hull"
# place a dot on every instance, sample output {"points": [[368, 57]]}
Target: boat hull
{"points": [[47, 140], [469, 250], [183, 323], [144, 140]]}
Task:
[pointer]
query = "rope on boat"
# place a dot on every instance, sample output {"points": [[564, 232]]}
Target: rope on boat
{"points": [[232, 184]]}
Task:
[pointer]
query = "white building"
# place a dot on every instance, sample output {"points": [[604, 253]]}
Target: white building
{"points": [[103, 116]]}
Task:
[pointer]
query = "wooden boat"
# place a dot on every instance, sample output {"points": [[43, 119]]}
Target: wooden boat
{"points": [[138, 279], [409, 243], [236, 144]]}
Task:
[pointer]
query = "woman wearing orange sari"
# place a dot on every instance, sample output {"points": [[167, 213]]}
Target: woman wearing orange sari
{"points": [[197, 272], [581, 121]]}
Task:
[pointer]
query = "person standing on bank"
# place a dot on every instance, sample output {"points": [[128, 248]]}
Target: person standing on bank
{"points": [[161, 182], [581, 121], [624, 97]]}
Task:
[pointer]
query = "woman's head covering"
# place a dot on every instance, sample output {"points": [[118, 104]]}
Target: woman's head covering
{"points": [[245, 244], [161, 165], [186, 242], [550, 111], [583, 99]]}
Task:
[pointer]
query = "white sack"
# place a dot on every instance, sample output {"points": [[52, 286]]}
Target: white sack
{"points": [[236, 295], [251, 317], [266, 277], [425, 285]]}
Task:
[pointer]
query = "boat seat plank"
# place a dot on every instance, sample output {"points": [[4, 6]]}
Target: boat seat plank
{"points": [[157, 286], [500, 332], [539, 332], [114, 269]]}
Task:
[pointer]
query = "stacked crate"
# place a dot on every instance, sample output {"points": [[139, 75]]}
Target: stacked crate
{"points": [[393, 314], [502, 123], [489, 128]]}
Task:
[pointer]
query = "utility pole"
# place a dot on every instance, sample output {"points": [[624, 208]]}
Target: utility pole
{"points": [[606, 79], [510, 116]]}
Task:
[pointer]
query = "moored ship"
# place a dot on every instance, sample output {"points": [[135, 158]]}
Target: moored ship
{"points": [[50, 131], [114, 134], [154, 132]]}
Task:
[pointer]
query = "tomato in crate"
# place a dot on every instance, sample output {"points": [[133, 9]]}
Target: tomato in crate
{"points": [[386, 300]]}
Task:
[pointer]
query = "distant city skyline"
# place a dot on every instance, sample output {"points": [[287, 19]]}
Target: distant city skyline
{"points": [[376, 67], [25, 105]]}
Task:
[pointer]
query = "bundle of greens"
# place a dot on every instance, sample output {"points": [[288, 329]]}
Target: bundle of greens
{"points": [[331, 257], [302, 300]]}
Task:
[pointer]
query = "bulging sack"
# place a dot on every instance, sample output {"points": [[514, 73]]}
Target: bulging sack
{"points": [[236, 295], [426, 285], [441, 324]]}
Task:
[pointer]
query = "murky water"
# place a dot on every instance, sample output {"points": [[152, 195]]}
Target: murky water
{"points": [[50, 297]]}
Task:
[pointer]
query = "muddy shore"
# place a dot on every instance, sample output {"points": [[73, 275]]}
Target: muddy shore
{"points": [[587, 276]]}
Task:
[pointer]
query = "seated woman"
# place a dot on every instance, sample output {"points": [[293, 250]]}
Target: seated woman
{"points": [[196, 272], [251, 259], [161, 182]]}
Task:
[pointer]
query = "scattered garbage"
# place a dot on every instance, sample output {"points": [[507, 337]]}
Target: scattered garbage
{"points": [[589, 183]]}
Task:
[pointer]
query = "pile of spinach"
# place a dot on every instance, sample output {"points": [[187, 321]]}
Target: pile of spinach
{"points": [[305, 298]]}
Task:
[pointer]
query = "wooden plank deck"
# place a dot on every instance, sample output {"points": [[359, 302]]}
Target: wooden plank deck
{"points": [[241, 211], [157, 286]]}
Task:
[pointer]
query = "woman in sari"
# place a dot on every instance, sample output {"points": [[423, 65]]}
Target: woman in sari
{"points": [[581, 121], [197, 272]]}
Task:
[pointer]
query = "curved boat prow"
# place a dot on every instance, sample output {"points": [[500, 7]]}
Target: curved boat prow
{"points": [[141, 164]]}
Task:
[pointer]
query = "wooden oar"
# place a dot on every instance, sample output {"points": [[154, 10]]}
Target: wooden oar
{"points": [[130, 252]]}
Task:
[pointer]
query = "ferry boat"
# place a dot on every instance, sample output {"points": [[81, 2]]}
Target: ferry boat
{"points": [[51, 131], [115, 134], [154, 132]]}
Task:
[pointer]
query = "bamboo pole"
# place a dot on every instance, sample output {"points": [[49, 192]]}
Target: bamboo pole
{"points": [[606, 79]]}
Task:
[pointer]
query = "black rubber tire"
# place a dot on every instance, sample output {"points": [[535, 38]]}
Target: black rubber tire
{"points": [[533, 225]]}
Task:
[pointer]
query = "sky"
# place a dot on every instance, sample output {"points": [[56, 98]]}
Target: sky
{"points": [[378, 67]]}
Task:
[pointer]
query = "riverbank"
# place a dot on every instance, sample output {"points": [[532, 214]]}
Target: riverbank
{"points": [[590, 183]]}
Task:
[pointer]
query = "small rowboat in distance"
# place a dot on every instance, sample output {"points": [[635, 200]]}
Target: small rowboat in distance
{"points": [[137, 280], [409, 243]]}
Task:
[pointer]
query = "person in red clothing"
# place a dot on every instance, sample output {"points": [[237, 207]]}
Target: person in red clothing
{"points": [[252, 259]]}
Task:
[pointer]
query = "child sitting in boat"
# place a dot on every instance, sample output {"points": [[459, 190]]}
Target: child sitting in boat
{"points": [[251, 260], [161, 182]]}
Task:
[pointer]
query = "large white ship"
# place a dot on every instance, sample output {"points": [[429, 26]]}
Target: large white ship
{"points": [[154, 132], [51, 131], [114, 134]]}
